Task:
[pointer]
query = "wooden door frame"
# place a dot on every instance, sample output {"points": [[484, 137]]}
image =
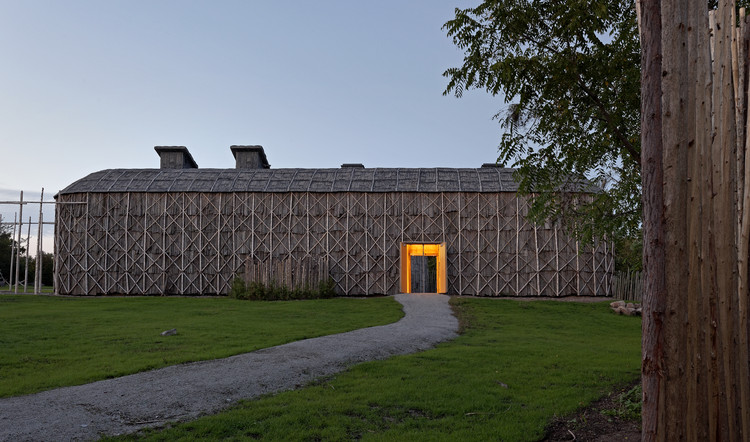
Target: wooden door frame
{"points": [[405, 265]]}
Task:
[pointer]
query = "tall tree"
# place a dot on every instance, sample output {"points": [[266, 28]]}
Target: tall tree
{"points": [[569, 73]]}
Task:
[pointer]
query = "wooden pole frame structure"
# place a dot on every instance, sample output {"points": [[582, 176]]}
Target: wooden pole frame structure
{"points": [[18, 241], [195, 243]]}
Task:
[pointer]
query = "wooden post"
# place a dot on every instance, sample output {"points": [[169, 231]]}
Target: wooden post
{"points": [[347, 268], [18, 241], [12, 252], [55, 249], [654, 296], [695, 329], [578, 269], [536, 257], [26, 263], [497, 245], [459, 254], [743, 252], [518, 248], [39, 249], [478, 261], [367, 246], [557, 263]]}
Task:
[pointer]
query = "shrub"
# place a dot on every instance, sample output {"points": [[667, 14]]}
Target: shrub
{"points": [[628, 405], [238, 288], [257, 291]]}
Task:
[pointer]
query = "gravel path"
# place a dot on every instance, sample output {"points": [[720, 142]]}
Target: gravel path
{"points": [[183, 392]]}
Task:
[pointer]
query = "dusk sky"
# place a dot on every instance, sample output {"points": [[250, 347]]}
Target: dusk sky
{"points": [[89, 85]]}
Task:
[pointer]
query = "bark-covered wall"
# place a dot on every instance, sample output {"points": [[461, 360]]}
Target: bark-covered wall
{"points": [[195, 243]]}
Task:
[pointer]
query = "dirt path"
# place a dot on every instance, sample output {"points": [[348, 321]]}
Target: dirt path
{"points": [[183, 392]]}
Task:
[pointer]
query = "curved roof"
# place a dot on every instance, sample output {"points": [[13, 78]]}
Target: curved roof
{"points": [[347, 179]]}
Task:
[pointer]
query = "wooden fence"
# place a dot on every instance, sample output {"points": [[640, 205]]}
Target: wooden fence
{"points": [[307, 272], [628, 286], [695, 160]]}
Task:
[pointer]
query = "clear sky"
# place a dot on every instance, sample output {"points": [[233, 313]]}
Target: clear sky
{"points": [[87, 85]]}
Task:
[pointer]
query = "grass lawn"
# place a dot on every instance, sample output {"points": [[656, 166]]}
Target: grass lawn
{"points": [[29, 288], [48, 342], [516, 366]]}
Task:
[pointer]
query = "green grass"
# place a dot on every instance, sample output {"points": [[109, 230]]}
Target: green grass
{"points": [[29, 289], [48, 342], [517, 365]]}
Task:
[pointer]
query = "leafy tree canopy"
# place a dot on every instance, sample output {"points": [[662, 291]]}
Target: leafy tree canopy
{"points": [[569, 72]]}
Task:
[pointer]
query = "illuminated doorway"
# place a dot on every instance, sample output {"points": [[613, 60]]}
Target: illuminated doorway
{"points": [[423, 268]]}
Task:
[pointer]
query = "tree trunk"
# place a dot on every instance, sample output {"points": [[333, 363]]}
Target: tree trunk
{"points": [[696, 359], [654, 294]]}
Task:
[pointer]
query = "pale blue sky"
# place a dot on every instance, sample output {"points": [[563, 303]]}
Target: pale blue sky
{"points": [[89, 85]]}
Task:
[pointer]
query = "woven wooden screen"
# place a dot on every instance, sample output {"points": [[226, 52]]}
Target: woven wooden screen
{"points": [[196, 243]]}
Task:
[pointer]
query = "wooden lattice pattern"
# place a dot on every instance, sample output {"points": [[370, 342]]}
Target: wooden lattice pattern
{"points": [[196, 243]]}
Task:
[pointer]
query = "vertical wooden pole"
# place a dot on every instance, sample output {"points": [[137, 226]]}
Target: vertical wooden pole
{"points": [[674, 84], [724, 177], [593, 268], [163, 278], [128, 247], [367, 244], [26, 263], [219, 229], [557, 263], [106, 274], [695, 329], [478, 261], [347, 269], [743, 245], [238, 201], [39, 249], [308, 252], [183, 217], [12, 253], [460, 257], [654, 297], [290, 197], [201, 276], [18, 241], [86, 236], [253, 215], [384, 197], [497, 245], [518, 248], [578, 269], [536, 257], [328, 229], [56, 263]]}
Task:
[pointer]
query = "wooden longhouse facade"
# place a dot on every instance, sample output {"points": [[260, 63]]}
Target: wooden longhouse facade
{"points": [[184, 230]]}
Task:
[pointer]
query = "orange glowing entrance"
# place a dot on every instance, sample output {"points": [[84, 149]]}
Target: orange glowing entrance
{"points": [[423, 268]]}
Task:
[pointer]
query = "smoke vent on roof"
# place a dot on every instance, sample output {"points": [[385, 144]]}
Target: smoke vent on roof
{"points": [[353, 165], [491, 165], [250, 157], [175, 157]]}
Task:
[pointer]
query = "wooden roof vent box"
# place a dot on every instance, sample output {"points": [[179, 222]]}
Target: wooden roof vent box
{"points": [[250, 157], [175, 157]]}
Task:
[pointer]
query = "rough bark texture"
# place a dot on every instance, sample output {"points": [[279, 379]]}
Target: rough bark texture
{"points": [[695, 360], [654, 295]]}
